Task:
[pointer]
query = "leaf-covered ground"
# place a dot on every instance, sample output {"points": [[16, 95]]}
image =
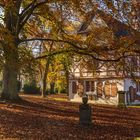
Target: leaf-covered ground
{"points": [[35, 118]]}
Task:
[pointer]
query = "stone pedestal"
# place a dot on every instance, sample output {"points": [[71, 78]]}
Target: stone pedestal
{"points": [[85, 112], [121, 99]]}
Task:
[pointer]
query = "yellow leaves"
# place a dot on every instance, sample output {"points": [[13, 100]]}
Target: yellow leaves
{"points": [[69, 28], [74, 39], [76, 3], [126, 5], [100, 36], [110, 5], [7, 37], [2, 2], [61, 117], [43, 10], [10, 6]]}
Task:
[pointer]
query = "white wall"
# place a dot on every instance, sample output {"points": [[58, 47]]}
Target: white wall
{"points": [[103, 73], [71, 95], [120, 84]]}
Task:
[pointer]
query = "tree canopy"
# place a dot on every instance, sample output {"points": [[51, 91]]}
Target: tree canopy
{"points": [[95, 28]]}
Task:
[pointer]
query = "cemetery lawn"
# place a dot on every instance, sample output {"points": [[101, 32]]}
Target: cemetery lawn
{"points": [[55, 118]]}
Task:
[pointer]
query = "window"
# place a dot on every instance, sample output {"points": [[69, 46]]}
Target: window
{"points": [[90, 86], [87, 86], [74, 87]]}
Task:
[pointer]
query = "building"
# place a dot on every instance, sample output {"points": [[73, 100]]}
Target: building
{"points": [[102, 84], [99, 80]]}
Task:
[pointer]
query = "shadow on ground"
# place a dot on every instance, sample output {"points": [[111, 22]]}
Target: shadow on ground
{"points": [[44, 119]]}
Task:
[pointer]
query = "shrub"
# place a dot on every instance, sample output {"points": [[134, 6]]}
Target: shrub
{"points": [[63, 91], [52, 91], [49, 91], [31, 89], [56, 90]]}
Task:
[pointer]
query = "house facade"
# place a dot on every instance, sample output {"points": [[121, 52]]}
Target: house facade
{"points": [[102, 80], [102, 83]]}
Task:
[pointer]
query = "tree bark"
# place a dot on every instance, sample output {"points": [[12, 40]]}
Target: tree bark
{"points": [[45, 77], [66, 68], [48, 60], [10, 50], [10, 72], [52, 85], [67, 82]]}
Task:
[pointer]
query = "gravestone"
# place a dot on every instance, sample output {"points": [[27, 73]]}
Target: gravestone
{"points": [[121, 99], [85, 112]]}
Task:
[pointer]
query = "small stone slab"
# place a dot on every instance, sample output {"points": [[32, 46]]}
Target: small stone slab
{"points": [[85, 114]]}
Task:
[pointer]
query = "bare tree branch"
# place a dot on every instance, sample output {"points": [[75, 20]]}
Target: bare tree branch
{"points": [[28, 11], [54, 40], [54, 53], [121, 29], [77, 49]]}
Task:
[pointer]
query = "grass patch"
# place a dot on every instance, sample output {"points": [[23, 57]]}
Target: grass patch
{"points": [[59, 99], [138, 138], [134, 106]]}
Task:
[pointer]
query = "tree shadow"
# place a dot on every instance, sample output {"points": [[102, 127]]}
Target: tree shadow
{"points": [[43, 118]]}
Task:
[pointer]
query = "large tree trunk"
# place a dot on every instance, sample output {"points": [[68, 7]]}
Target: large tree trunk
{"points": [[67, 82], [10, 72], [10, 49], [67, 77], [52, 88], [45, 78], [45, 74]]}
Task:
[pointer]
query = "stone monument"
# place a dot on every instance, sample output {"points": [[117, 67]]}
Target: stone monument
{"points": [[85, 112], [121, 99]]}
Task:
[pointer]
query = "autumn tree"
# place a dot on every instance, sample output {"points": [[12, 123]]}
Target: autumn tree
{"points": [[19, 18], [44, 66], [66, 61], [121, 19], [24, 21]]}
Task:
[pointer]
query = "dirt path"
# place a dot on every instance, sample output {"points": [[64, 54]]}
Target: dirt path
{"points": [[35, 118]]}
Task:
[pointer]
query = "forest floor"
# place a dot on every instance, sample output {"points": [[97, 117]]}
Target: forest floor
{"points": [[55, 118]]}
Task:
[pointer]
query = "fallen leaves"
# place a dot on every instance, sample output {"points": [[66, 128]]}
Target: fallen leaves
{"points": [[48, 119]]}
